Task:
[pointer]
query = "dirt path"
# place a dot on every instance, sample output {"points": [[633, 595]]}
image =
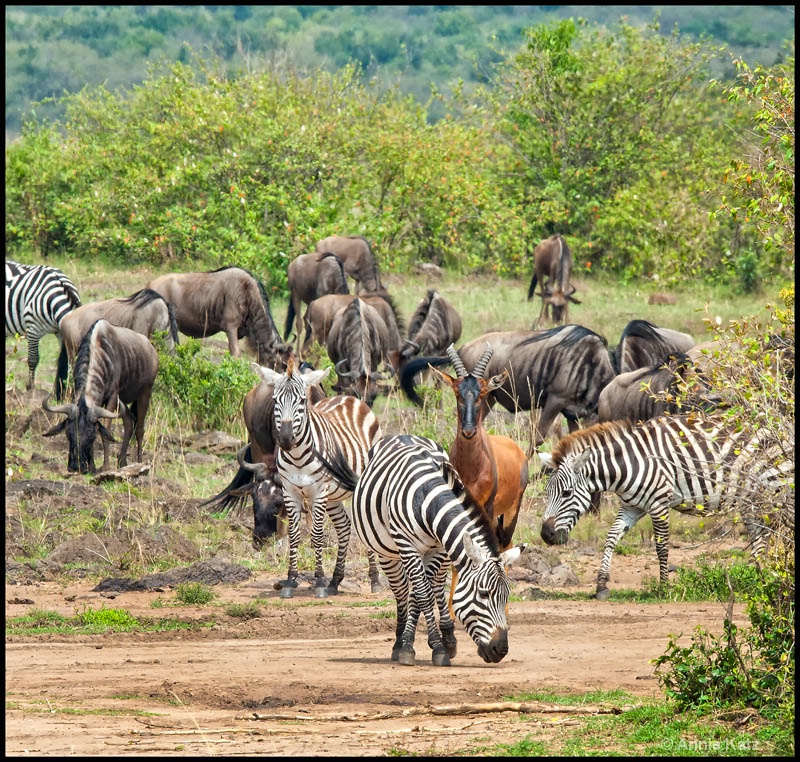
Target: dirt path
{"points": [[312, 678]]}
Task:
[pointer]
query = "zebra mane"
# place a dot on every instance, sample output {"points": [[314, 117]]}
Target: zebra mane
{"points": [[582, 438]]}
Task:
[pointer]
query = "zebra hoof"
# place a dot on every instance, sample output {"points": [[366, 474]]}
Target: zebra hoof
{"points": [[375, 587], [406, 657], [287, 592], [602, 595], [320, 592], [440, 658]]}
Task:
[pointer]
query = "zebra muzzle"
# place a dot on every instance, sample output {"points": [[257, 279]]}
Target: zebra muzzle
{"points": [[494, 651], [553, 536]]}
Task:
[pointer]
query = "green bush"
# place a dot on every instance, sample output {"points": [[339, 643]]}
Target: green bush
{"points": [[204, 392], [194, 593]]}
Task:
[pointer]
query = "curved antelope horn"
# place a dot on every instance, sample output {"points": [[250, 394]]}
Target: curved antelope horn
{"points": [[68, 408], [480, 366], [259, 470], [340, 371], [461, 371]]}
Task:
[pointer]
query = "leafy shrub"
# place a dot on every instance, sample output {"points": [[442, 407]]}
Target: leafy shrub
{"points": [[194, 593], [206, 393], [116, 619]]}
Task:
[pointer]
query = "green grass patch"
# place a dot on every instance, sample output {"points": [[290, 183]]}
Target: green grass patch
{"points": [[194, 594], [90, 622]]}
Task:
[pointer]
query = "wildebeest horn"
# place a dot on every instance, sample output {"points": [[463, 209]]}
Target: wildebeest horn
{"points": [[68, 408], [480, 366], [95, 412], [259, 469], [340, 371], [461, 371]]}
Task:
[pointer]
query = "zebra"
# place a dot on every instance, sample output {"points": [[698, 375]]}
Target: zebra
{"points": [[413, 511], [37, 299], [698, 466], [303, 431]]}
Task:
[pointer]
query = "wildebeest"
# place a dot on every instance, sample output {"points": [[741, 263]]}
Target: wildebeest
{"points": [[114, 372], [145, 312], [257, 474], [310, 276], [434, 325], [645, 393], [357, 257], [229, 299], [358, 260], [357, 344], [644, 345], [321, 312], [560, 370], [552, 270]]}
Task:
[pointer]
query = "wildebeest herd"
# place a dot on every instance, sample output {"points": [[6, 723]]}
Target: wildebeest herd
{"points": [[421, 510]]}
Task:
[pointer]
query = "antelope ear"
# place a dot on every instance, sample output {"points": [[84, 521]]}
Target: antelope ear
{"points": [[441, 375], [475, 553], [495, 382], [507, 557]]}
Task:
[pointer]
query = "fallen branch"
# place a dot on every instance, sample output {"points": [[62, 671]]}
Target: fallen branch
{"points": [[454, 709]]}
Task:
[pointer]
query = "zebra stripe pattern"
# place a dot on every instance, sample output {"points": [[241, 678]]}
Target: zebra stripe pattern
{"points": [[693, 465], [305, 430], [37, 299], [413, 511]]}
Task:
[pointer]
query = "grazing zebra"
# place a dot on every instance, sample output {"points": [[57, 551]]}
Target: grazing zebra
{"points": [[411, 508], [37, 299], [303, 431], [694, 465]]}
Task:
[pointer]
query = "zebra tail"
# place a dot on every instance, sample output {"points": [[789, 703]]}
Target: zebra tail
{"points": [[62, 370], [338, 468]]}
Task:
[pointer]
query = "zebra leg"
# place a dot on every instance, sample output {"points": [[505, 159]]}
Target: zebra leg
{"points": [[661, 536], [33, 359], [341, 523], [446, 624], [294, 508], [626, 518], [318, 510], [398, 582], [423, 601]]}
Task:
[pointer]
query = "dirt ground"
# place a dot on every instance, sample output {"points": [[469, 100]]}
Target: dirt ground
{"points": [[313, 677]]}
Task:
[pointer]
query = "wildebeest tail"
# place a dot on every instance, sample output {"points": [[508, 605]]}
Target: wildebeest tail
{"points": [[410, 370], [62, 369], [532, 287], [225, 499], [173, 323], [290, 315]]}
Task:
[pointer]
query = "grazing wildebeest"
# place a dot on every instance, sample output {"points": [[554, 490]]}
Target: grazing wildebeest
{"points": [[560, 370], [643, 345], [114, 372], [552, 270], [434, 325], [229, 299], [310, 276], [357, 343], [357, 257], [38, 297], [145, 312], [257, 474], [645, 393], [321, 312], [493, 467]]}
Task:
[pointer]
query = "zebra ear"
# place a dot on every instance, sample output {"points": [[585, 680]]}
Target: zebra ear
{"points": [[546, 459], [475, 553], [507, 557], [315, 376], [265, 374], [580, 461]]}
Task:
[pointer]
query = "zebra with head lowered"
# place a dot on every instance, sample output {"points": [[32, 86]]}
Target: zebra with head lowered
{"points": [[304, 431], [37, 299], [411, 508], [696, 466]]}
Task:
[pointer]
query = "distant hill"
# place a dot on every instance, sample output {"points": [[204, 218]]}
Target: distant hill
{"points": [[51, 49]]}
